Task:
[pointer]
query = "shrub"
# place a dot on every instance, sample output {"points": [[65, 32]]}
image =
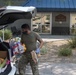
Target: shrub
{"points": [[72, 42], [44, 50], [1, 33], [7, 34], [66, 51]]}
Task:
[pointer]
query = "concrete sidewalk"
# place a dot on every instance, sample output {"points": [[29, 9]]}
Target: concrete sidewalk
{"points": [[54, 69], [47, 37]]}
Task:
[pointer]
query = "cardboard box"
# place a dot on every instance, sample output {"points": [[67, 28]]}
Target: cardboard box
{"points": [[3, 54]]}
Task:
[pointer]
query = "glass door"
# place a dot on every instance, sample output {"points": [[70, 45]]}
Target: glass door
{"points": [[41, 23], [36, 23]]}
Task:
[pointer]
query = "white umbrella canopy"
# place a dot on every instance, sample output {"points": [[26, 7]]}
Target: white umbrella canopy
{"points": [[10, 14]]}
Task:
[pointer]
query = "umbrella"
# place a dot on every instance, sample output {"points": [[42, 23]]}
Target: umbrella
{"points": [[10, 14]]}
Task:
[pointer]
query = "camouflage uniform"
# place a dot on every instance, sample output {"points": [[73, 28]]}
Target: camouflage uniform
{"points": [[24, 60], [30, 43]]}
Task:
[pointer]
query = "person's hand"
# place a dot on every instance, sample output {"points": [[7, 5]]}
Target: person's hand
{"points": [[37, 50]]}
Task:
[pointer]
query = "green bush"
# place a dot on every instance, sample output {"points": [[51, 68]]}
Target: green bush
{"points": [[44, 50], [1, 33], [7, 34], [72, 42], [66, 51]]}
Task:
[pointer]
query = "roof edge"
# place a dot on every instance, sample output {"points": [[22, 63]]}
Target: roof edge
{"points": [[26, 2], [55, 10]]}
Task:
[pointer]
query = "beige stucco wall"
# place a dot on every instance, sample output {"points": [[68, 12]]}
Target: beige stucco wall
{"points": [[72, 19]]}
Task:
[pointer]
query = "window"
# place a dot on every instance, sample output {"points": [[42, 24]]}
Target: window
{"points": [[41, 23]]}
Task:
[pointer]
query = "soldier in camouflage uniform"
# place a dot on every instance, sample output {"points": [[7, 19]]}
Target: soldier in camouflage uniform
{"points": [[29, 38]]}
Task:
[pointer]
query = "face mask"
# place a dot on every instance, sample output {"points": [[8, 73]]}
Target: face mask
{"points": [[25, 32]]}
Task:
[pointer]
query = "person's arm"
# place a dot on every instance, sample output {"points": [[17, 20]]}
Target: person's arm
{"points": [[41, 43], [38, 37]]}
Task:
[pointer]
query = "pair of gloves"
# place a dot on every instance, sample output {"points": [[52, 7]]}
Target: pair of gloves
{"points": [[37, 51]]}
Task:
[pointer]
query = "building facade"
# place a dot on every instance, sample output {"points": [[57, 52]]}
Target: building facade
{"points": [[56, 17]]}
